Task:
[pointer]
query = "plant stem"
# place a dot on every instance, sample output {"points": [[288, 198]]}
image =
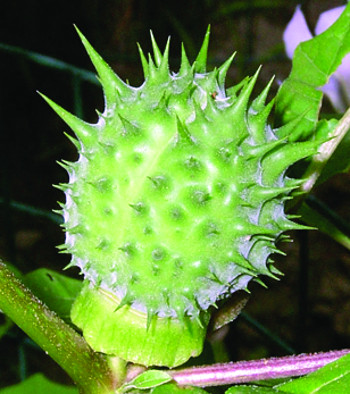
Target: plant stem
{"points": [[89, 370], [247, 371]]}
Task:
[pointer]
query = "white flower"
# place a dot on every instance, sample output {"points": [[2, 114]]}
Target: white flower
{"points": [[338, 87]]}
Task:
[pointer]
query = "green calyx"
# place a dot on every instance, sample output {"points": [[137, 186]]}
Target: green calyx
{"points": [[176, 201], [158, 341]]}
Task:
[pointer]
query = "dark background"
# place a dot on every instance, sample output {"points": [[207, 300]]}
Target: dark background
{"points": [[32, 140]]}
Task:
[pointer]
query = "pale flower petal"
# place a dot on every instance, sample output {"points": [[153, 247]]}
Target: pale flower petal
{"points": [[332, 90], [296, 32], [343, 71], [327, 19], [343, 77]]}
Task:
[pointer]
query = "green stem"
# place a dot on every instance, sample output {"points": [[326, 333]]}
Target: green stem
{"points": [[89, 370]]}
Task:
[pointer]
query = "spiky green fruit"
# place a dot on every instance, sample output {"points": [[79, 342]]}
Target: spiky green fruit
{"points": [[176, 201]]}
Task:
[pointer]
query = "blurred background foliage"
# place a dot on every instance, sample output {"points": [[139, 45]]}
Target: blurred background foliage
{"points": [[40, 50]]}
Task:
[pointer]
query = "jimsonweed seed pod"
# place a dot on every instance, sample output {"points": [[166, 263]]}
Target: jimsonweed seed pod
{"points": [[176, 202]]}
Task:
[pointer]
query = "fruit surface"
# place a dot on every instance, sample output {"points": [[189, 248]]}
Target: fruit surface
{"points": [[176, 202]]}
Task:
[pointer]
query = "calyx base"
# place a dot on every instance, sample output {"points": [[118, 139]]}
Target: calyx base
{"points": [[127, 333]]}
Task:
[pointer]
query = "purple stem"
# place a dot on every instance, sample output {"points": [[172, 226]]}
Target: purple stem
{"points": [[247, 371]]}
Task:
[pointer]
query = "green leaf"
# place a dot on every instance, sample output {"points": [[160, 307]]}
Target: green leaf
{"points": [[333, 378], [55, 290], [149, 379], [340, 160], [173, 388], [38, 384], [316, 214], [243, 389], [314, 62], [325, 152], [5, 326]]}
